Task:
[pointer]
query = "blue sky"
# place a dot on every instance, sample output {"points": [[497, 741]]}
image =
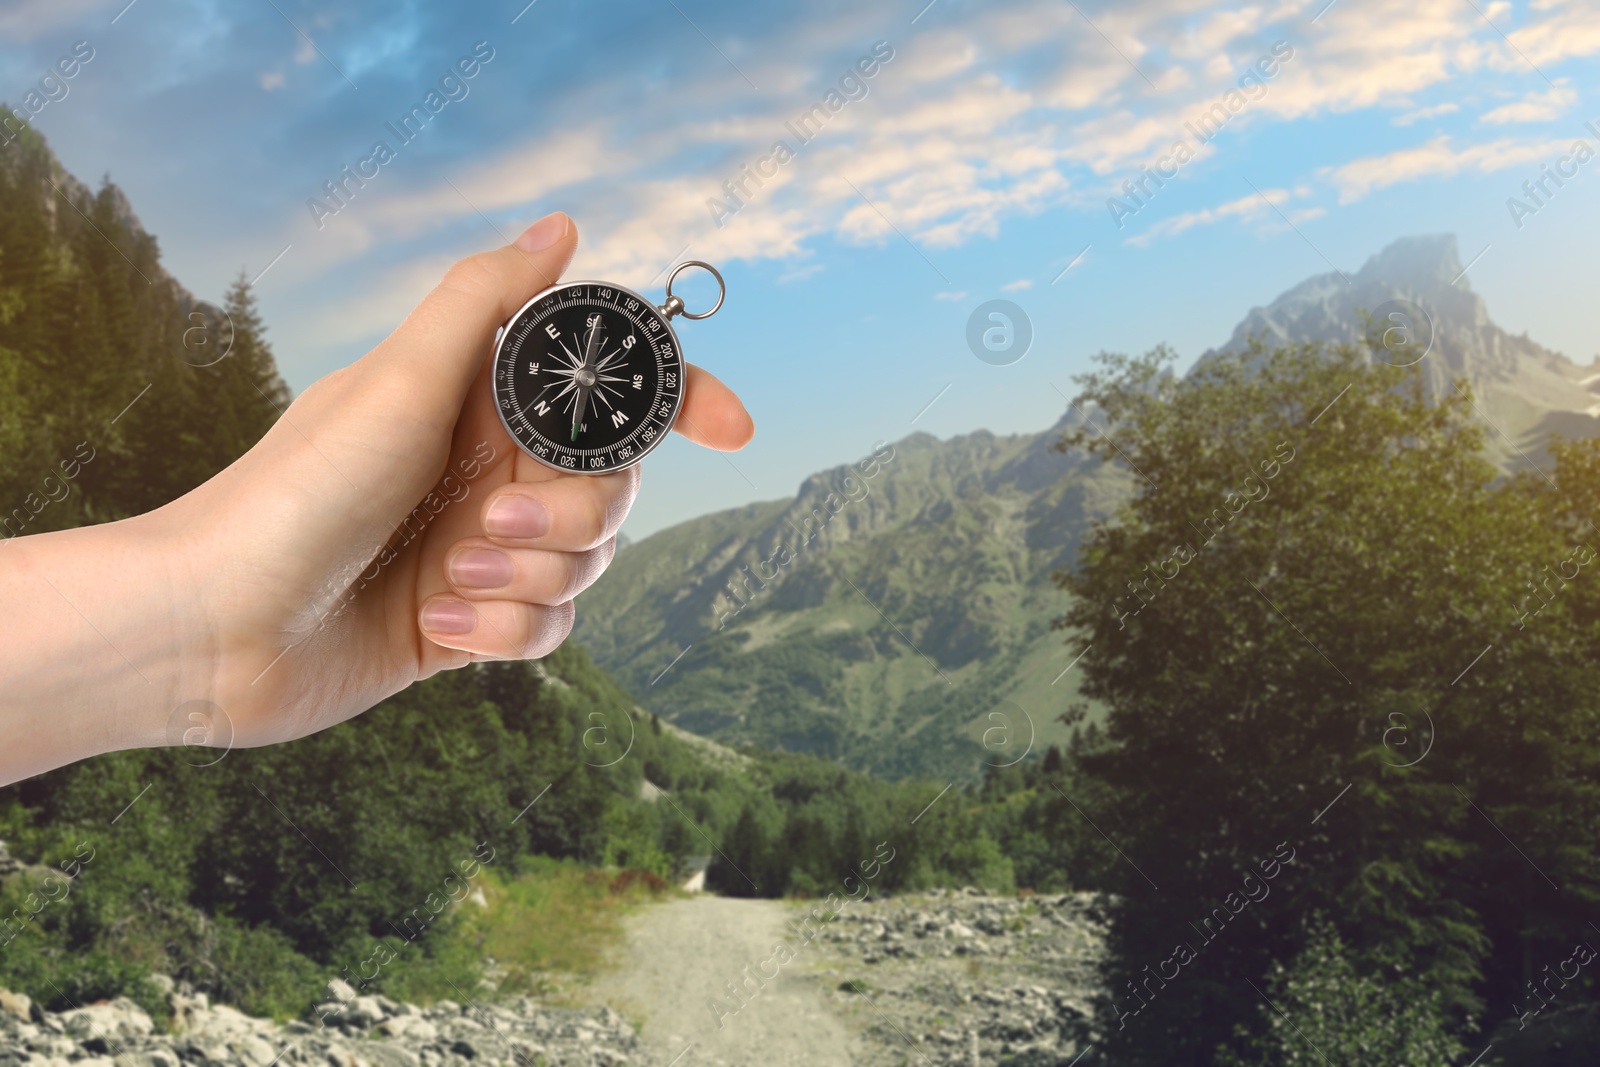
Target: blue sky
{"points": [[974, 164]]}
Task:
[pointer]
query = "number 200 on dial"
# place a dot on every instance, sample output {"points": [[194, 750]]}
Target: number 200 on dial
{"points": [[588, 377]]}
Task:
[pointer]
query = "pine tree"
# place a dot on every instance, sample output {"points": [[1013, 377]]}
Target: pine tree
{"points": [[744, 857]]}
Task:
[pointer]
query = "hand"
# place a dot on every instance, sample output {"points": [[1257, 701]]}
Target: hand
{"points": [[385, 529]]}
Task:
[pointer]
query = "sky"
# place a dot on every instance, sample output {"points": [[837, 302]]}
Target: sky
{"points": [[985, 158]]}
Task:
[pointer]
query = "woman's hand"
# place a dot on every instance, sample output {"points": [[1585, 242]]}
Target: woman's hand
{"points": [[385, 529]]}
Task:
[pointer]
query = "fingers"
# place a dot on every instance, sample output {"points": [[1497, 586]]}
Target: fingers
{"points": [[508, 595], [567, 514], [497, 629], [432, 359], [478, 570], [712, 414]]}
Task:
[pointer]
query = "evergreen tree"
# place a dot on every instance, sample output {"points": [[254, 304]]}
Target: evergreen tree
{"points": [[744, 858]]}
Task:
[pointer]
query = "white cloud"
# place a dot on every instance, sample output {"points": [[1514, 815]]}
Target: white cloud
{"points": [[1017, 286], [1535, 107], [1436, 158], [1216, 31], [1571, 32], [962, 295], [1246, 207], [1421, 113]]}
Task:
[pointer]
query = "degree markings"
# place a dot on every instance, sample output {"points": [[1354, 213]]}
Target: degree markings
{"points": [[660, 347]]}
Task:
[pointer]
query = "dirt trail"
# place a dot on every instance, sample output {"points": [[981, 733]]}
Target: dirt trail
{"points": [[678, 960]]}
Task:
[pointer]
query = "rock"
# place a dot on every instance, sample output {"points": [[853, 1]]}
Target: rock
{"points": [[412, 1027], [527, 1054], [120, 1018], [253, 1049], [16, 1004], [383, 1054], [366, 1031], [156, 1057], [363, 1012], [339, 989], [1019, 997], [222, 1021]]}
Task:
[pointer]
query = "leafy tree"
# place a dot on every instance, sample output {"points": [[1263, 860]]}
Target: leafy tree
{"points": [[1316, 554], [1323, 1011]]}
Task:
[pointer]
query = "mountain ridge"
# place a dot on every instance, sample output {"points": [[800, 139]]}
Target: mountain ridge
{"points": [[911, 634], [1524, 389]]}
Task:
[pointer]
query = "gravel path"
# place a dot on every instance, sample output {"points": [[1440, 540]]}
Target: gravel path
{"points": [[673, 979]]}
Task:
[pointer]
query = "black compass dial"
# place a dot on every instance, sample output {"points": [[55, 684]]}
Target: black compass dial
{"points": [[588, 377]]}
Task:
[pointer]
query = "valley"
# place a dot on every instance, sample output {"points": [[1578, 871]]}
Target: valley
{"points": [[910, 633]]}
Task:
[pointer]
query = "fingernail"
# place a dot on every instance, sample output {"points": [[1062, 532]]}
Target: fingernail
{"points": [[481, 568], [449, 617], [544, 233], [518, 518]]}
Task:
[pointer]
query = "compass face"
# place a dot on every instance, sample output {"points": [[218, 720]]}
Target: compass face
{"points": [[588, 377]]}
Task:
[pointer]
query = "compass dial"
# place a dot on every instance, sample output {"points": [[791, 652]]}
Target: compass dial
{"points": [[588, 377]]}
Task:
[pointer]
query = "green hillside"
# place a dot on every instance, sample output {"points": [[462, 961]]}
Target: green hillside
{"points": [[888, 635]]}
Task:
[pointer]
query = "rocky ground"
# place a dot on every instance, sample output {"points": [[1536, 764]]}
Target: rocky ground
{"points": [[367, 1032], [965, 979], [942, 979]]}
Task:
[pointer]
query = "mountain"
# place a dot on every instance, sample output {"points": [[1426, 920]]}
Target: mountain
{"points": [[884, 633], [909, 633], [1525, 390]]}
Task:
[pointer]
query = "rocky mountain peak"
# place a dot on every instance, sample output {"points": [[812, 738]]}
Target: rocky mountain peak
{"points": [[1425, 262], [1513, 375]]}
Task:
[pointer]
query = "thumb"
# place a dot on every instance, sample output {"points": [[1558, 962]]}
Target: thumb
{"points": [[436, 353]]}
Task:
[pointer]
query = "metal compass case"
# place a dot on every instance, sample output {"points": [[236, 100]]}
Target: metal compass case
{"points": [[589, 376]]}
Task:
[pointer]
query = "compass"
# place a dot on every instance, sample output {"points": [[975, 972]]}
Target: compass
{"points": [[589, 376]]}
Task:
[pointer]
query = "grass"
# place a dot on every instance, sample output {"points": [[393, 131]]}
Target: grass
{"points": [[553, 918]]}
